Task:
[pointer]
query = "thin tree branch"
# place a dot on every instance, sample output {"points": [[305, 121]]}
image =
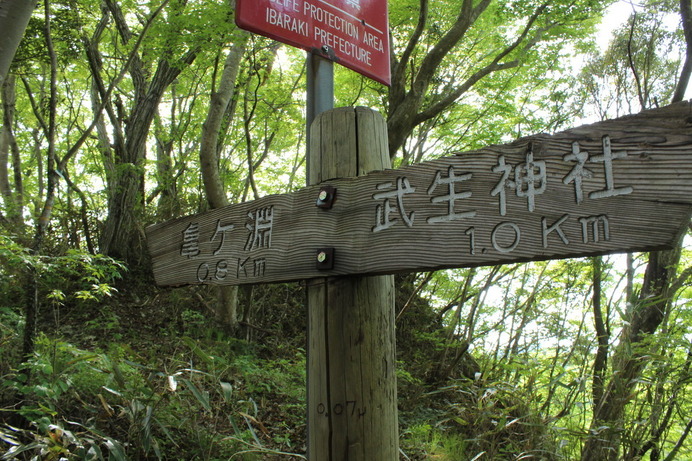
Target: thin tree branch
{"points": [[432, 60], [493, 66], [630, 60], [681, 440], [683, 80], [399, 68]]}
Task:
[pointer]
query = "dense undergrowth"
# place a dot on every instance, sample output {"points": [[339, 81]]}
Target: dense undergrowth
{"points": [[123, 370]]}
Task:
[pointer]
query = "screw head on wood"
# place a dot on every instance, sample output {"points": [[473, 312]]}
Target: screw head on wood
{"points": [[324, 259], [326, 197]]}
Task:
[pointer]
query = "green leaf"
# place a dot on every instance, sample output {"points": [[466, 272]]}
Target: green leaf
{"points": [[94, 452], [201, 396], [203, 356], [227, 390], [16, 450], [116, 450]]}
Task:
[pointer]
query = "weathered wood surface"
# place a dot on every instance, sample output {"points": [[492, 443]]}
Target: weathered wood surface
{"points": [[352, 398], [632, 191]]}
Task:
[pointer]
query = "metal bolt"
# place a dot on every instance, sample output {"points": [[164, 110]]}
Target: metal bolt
{"points": [[326, 197], [325, 259]]}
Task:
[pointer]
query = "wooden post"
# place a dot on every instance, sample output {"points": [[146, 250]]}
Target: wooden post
{"points": [[352, 399]]}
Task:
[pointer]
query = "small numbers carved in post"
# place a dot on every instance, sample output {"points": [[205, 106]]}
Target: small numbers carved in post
{"points": [[349, 408]]}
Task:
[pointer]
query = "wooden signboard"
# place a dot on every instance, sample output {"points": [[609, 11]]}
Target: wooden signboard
{"points": [[615, 186]]}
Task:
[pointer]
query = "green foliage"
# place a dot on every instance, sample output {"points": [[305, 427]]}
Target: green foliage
{"points": [[639, 69], [213, 405], [214, 399], [58, 443], [480, 419], [532, 348], [60, 375], [73, 277], [425, 441], [66, 22]]}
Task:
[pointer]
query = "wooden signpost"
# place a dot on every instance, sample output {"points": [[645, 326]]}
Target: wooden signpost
{"points": [[615, 186], [620, 185]]}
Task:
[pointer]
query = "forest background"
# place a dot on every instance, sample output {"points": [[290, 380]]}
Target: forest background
{"points": [[118, 114]]}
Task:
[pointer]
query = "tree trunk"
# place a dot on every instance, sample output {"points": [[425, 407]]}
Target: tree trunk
{"points": [[683, 80], [122, 237], [31, 286], [410, 103], [227, 308], [209, 149], [12, 191], [14, 17], [602, 337]]}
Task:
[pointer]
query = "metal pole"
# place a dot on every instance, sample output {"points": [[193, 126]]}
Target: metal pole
{"points": [[320, 94]]}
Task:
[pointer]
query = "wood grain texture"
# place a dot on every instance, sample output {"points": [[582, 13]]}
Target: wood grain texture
{"points": [[636, 193], [352, 402]]}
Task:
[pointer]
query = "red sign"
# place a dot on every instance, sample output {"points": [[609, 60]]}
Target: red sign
{"points": [[353, 33]]}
